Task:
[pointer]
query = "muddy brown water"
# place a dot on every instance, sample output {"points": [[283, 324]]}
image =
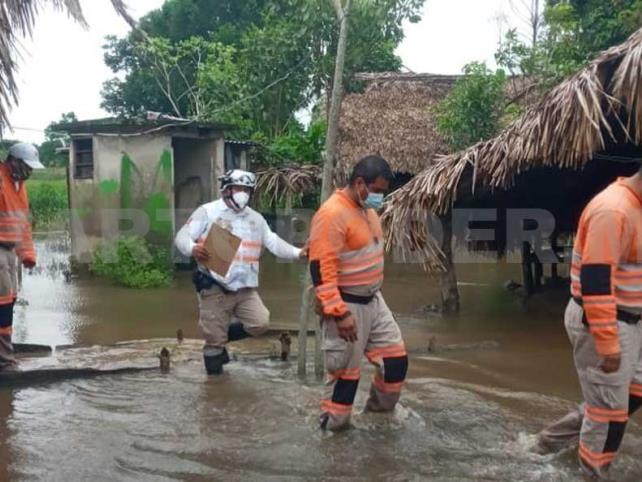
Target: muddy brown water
{"points": [[500, 372]]}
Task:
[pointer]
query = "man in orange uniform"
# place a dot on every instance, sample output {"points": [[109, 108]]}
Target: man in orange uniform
{"points": [[603, 324], [15, 236], [346, 264]]}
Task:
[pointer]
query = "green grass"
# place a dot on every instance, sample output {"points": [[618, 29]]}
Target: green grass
{"points": [[49, 204], [49, 174]]}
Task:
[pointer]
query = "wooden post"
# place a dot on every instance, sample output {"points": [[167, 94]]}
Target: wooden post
{"points": [[304, 316], [527, 273], [448, 279], [554, 247], [539, 273], [319, 368]]}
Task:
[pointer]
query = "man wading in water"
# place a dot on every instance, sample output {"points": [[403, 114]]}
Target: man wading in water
{"points": [[603, 324], [230, 307], [15, 237], [346, 264]]}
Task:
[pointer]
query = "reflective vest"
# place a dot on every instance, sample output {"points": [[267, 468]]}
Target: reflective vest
{"points": [[248, 225], [606, 269], [346, 253], [15, 228]]}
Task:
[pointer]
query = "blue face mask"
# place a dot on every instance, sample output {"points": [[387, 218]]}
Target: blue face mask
{"points": [[374, 200]]}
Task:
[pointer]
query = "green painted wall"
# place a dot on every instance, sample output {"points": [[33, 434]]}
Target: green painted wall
{"points": [[147, 187], [154, 197]]}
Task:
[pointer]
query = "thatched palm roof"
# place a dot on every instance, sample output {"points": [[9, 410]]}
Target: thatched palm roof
{"points": [[392, 117], [589, 113], [285, 183]]}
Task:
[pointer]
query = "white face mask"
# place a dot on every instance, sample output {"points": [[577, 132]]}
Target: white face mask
{"points": [[241, 199]]}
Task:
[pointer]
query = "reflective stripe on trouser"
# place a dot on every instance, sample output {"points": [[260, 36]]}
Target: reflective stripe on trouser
{"points": [[609, 398], [379, 338], [217, 310], [8, 288]]}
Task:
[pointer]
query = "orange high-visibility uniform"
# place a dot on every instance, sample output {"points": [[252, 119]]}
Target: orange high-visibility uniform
{"points": [[346, 264], [15, 228], [606, 269], [603, 318], [346, 253], [15, 244]]}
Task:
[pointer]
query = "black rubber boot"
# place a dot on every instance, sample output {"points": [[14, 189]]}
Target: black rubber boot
{"points": [[236, 332], [214, 363], [226, 357]]}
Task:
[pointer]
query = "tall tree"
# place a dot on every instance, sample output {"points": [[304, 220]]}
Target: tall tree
{"points": [[284, 52], [342, 9], [573, 32], [329, 153], [54, 140]]}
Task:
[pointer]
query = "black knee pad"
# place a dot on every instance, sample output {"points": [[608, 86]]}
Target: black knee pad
{"points": [[614, 436], [6, 315], [395, 369], [345, 391], [236, 332]]}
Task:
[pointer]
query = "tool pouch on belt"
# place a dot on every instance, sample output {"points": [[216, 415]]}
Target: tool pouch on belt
{"points": [[204, 282]]}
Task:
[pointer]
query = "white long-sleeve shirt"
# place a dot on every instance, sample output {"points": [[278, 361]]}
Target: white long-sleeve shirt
{"points": [[248, 225]]}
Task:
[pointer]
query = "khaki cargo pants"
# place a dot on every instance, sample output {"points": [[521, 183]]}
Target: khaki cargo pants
{"points": [[379, 338], [609, 398], [218, 309], [8, 290]]}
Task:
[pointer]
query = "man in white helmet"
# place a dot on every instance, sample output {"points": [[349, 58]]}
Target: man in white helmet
{"points": [[15, 236], [230, 307]]}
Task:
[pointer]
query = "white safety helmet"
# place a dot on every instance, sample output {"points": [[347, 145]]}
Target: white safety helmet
{"points": [[238, 177], [28, 153]]}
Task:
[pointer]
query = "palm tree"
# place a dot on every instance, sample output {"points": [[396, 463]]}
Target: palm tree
{"points": [[17, 19]]}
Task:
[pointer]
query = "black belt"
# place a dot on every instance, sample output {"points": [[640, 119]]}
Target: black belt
{"points": [[621, 315], [203, 281], [7, 246], [360, 300]]}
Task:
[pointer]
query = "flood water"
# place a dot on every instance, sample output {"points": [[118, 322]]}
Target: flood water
{"points": [[500, 372]]}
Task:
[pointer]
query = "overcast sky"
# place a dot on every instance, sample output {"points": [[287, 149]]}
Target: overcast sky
{"points": [[62, 68]]}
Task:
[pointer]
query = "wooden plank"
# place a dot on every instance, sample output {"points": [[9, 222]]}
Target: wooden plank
{"points": [[52, 375], [19, 348]]}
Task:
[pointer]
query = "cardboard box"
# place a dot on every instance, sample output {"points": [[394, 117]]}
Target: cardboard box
{"points": [[222, 247]]}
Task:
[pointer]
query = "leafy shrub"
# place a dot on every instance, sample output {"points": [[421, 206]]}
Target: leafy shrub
{"points": [[473, 110], [48, 201], [132, 262]]}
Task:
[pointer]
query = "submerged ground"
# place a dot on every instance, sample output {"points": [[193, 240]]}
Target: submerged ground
{"points": [[500, 372]]}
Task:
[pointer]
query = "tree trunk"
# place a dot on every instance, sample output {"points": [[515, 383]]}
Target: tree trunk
{"points": [[326, 188], [448, 279], [335, 105]]}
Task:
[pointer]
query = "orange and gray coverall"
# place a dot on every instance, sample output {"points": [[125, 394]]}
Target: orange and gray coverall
{"points": [[603, 318], [346, 264], [15, 245]]}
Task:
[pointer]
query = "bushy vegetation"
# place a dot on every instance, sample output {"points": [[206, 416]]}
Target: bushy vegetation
{"points": [[569, 34], [473, 111], [48, 201], [132, 262], [253, 64], [565, 35]]}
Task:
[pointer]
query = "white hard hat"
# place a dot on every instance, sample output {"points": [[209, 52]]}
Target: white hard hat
{"points": [[238, 177], [28, 153]]}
